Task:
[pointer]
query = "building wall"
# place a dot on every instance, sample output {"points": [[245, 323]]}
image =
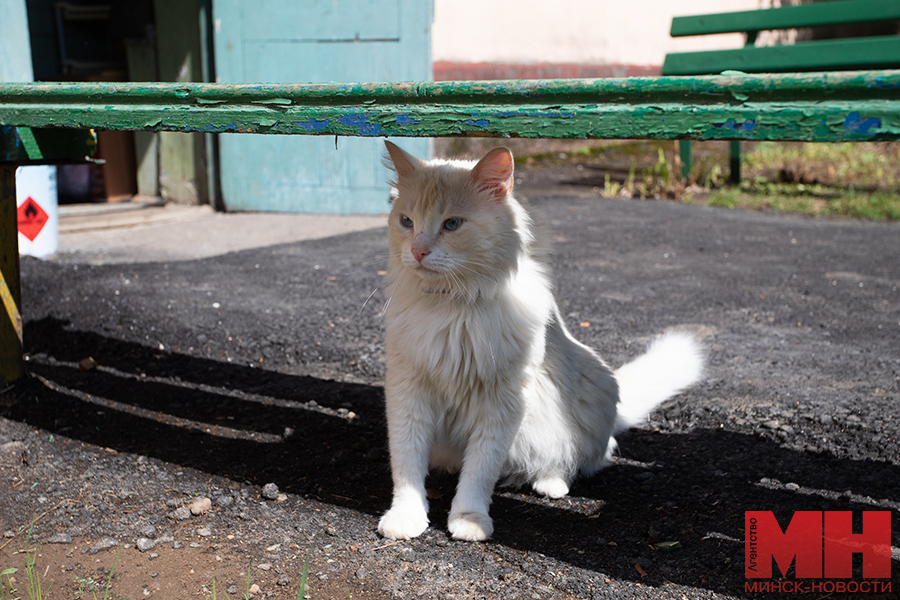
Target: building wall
{"points": [[15, 54], [627, 38]]}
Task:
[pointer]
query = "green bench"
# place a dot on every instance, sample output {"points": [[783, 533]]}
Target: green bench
{"points": [[847, 53], [830, 107]]}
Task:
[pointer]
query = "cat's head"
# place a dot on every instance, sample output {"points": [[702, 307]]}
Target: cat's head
{"points": [[454, 226]]}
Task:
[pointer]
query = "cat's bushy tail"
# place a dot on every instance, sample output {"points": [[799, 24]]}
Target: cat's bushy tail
{"points": [[672, 363]]}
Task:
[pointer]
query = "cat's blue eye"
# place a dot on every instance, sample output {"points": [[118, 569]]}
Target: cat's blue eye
{"points": [[406, 222], [452, 224]]}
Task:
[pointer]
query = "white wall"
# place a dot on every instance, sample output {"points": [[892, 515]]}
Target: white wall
{"points": [[632, 32]]}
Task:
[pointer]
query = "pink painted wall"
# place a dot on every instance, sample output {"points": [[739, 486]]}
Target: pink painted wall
{"points": [[498, 39]]}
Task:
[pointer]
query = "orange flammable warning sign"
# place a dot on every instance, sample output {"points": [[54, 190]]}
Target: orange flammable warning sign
{"points": [[32, 218]]}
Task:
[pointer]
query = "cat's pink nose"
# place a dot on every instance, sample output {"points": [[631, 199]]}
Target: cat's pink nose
{"points": [[420, 253]]}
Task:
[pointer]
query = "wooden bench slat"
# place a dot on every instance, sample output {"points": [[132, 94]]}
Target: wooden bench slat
{"points": [[857, 53], [812, 106], [787, 17]]}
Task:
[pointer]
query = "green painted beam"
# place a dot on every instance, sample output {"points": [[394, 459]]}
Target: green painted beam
{"points": [[788, 17], [839, 106], [877, 52]]}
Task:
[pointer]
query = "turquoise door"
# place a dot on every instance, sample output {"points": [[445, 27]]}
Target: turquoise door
{"points": [[304, 41]]}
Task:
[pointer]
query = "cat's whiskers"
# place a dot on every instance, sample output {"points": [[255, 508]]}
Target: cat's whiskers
{"points": [[462, 287], [483, 273], [366, 302], [384, 308], [494, 280], [393, 275], [363, 265]]}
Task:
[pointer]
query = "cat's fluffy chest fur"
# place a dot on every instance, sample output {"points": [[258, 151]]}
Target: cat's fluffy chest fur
{"points": [[482, 376], [468, 354], [458, 342]]}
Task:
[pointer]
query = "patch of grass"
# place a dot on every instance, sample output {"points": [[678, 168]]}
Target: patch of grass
{"points": [[658, 179], [848, 180], [95, 586], [867, 165], [809, 200], [7, 587], [859, 180], [33, 586]]}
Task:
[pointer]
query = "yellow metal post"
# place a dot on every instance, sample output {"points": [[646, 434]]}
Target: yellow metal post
{"points": [[10, 292]]}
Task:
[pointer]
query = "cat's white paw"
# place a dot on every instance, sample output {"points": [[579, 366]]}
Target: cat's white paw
{"points": [[402, 524], [471, 526], [552, 487]]}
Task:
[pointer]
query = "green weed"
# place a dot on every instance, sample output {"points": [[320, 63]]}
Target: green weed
{"points": [[111, 571], [7, 588], [95, 586], [303, 590], [33, 586], [32, 576]]}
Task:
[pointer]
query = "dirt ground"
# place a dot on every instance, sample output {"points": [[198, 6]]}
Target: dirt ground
{"points": [[211, 378]]}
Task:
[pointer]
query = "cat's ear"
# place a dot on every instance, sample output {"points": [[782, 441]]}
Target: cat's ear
{"points": [[494, 173], [403, 163]]}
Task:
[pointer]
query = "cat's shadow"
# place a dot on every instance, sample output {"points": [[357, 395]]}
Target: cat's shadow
{"points": [[686, 491]]}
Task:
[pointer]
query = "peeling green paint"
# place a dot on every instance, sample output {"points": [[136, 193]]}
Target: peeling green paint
{"points": [[804, 107]]}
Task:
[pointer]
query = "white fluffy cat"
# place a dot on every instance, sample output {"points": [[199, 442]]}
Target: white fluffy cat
{"points": [[483, 378]]}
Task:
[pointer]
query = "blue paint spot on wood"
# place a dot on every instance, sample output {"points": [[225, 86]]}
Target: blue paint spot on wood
{"points": [[881, 84], [360, 122], [312, 125], [477, 122], [405, 119], [552, 115], [854, 124], [748, 125]]}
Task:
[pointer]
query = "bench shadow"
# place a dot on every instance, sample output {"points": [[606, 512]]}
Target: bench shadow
{"points": [[230, 420], [640, 505], [242, 423]]}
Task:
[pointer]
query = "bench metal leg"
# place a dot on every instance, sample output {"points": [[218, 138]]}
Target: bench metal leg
{"points": [[735, 177], [11, 365], [684, 150]]}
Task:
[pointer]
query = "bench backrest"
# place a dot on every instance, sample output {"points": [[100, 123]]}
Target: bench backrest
{"points": [[871, 52], [821, 14]]}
